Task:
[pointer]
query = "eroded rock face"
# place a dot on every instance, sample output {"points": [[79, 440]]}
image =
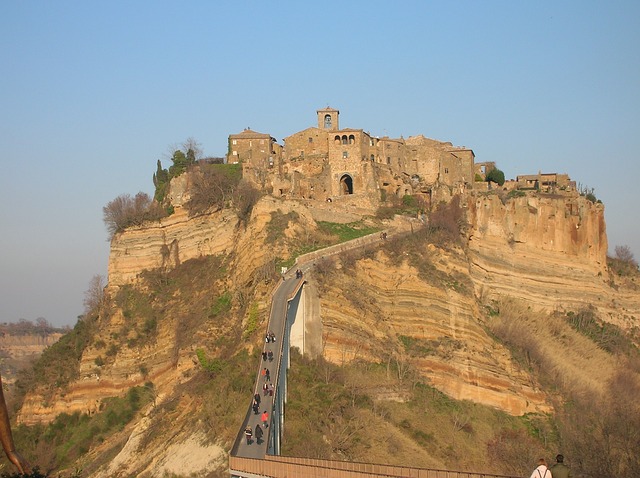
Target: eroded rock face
{"points": [[375, 311], [546, 252], [166, 244], [549, 252], [169, 242]]}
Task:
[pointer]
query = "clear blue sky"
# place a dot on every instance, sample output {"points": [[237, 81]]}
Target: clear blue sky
{"points": [[93, 93]]}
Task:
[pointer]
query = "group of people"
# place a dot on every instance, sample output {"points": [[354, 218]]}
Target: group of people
{"points": [[298, 273], [267, 390], [559, 470], [248, 431]]}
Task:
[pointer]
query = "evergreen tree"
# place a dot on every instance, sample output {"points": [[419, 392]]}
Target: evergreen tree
{"points": [[180, 163], [496, 176], [160, 181]]}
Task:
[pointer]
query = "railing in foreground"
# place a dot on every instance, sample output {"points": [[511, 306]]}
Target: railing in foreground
{"points": [[282, 466]]}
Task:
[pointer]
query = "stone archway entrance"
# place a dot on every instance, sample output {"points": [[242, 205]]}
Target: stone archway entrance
{"points": [[346, 184]]}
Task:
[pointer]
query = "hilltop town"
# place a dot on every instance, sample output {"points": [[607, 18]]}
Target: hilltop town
{"points": [[330, 163]]}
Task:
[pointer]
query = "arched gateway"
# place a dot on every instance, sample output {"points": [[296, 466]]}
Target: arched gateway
{"points": [[346, 184]]}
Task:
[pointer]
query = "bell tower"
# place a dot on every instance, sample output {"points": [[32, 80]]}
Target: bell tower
{"points": [[328, 119]]}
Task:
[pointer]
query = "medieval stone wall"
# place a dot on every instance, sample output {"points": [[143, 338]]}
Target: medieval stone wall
{"points": [[457, 168], [304, 144]]}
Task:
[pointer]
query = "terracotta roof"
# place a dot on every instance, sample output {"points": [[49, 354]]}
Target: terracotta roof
{"points": [[249, 133]]}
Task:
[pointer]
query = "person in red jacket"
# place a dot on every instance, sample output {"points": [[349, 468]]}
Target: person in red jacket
{"points": [[265, 419]]}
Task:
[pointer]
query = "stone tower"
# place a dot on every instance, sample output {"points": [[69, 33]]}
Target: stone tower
{"points": [[328, 119]]}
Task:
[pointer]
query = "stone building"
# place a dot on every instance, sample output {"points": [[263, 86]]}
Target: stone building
{"points": [[329, 163], [544, 182]]}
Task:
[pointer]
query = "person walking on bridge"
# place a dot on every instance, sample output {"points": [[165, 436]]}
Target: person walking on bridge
{"points": [[541, 471], [560, 470], [258, 434], [265, 419], [248, 433]]}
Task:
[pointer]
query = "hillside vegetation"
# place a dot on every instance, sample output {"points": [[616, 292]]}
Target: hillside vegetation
{"points": [[203, 320]]}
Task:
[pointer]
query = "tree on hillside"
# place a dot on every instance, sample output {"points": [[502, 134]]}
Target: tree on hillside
{"points": [[496, 176], [160, 181], [624, 254], [125, 211], [94, 296], [182, 156], [192, 148], [212, 187], [245, 196]]}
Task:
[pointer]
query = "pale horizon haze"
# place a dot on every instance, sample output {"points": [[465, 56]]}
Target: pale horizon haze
{"points": [[92, 94]]}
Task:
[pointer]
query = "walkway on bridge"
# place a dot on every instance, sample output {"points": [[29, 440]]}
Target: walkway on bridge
{"points": [[286, 290]]}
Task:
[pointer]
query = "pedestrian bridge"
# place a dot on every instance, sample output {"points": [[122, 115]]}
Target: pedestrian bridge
{"points": [[261, 458]]}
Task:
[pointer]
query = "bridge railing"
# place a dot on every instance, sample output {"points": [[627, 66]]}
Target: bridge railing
{"points": [[282, 466]]}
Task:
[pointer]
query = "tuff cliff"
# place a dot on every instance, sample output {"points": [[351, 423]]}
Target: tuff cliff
{"points": [[418, 305], [549, 252], [546, 251], [17, 351]]}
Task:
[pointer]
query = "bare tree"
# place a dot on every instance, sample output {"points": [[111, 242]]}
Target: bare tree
{"points": [[245, 196], [190, 144], [210, 191], [94, 295], [625, 254], [125, 211]]}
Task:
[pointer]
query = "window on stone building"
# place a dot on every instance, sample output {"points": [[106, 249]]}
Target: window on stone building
{"points": [[446, 170], [345, 140], [337, 139], [234, 141], [345, 154], [310, 140], [352, 139], [388, 159], [327, 121]]}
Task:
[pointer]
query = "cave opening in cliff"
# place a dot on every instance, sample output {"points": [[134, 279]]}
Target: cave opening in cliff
{"points": [[346, 184]]}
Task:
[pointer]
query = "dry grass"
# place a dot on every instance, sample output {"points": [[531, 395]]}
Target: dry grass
{"points": [[549, 344], [350, 411]]}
